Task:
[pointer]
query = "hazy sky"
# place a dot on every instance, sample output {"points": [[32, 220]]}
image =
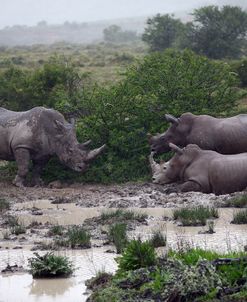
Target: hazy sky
{"points": [[29, 12]]}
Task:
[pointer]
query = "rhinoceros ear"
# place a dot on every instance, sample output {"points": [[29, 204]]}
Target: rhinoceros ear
{"points": [[171, 119], [176, 148], [61, 127]]}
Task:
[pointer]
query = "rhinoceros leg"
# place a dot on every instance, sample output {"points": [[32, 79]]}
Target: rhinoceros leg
{"points": [[38, 166], [191, 185], [22, 157]]}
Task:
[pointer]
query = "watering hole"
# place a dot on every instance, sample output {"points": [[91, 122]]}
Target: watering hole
{"points": [[17, 250]]}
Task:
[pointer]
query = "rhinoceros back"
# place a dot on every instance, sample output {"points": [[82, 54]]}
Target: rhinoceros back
{"points": [[228, 173], [27, 129]]}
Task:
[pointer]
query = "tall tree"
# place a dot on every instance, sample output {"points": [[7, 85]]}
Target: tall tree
{"points": [[163, 31], [218, 32]]}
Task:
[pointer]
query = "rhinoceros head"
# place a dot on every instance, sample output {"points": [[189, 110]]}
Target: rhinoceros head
{"points": [[158, 170], [178, 163], [73, 154], [175, 134]]}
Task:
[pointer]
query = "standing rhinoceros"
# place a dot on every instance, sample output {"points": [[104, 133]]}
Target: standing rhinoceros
{"points": [[206, 171], [38, 134], [224, 135]]}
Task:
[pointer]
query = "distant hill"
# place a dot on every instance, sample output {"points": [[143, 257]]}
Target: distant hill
{"points": [[85, 33]]}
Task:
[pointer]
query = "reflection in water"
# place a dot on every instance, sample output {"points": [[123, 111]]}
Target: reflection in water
{"points": [[51, 287]]}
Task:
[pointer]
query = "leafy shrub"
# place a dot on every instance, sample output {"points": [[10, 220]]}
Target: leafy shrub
{"points": [[50, 266], [118, 236], [240, 217], [136, 255], [122, 115], [195, 216]]}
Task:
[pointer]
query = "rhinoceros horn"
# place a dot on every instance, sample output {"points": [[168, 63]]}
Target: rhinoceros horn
{"points": [[84, 146], [94, 153], [176, 148], [153, 164], [171, 119]]}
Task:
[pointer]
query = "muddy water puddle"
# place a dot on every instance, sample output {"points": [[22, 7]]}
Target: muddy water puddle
{"points": [[22, 287]]}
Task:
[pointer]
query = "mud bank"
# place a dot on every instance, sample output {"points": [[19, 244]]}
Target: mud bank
{"points": [[140, 195]]}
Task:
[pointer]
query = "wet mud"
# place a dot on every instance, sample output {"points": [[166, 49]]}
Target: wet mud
{"points": [[40, 208]]}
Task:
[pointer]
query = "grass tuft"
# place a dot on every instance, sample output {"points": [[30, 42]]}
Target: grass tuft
{"points": [[237, 202], [157, 239], [122, 215], [118, 236], [4, 205], [78, 237], [196, 216], [137, 254], [240, 217]]}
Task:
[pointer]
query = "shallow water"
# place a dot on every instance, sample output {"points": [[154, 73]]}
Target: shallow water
{"points": [[22, 287]]}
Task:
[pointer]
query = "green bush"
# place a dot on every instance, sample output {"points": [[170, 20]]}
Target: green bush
{"points": [[136, 255], [121, 115], [50, 266]]}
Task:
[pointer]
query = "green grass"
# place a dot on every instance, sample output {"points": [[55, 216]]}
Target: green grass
{"points": [[195, 216], [56, 230], [191, 256], [118, 236], [122, 215], [137, 254], [237, 202], [157, 239], [50, 266], [78, 237], [16, 226], [4, 205], [240, 217]]}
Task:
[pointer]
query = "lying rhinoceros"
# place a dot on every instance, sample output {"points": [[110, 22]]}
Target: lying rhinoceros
{"points": [[38, 134], [158, 170], [206, 171], [224, 135]]}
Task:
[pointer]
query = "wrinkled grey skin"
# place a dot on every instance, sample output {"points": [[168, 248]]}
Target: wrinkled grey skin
{"points": [[158, 170], [37, 135], [224, 135], [207, 171]]}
